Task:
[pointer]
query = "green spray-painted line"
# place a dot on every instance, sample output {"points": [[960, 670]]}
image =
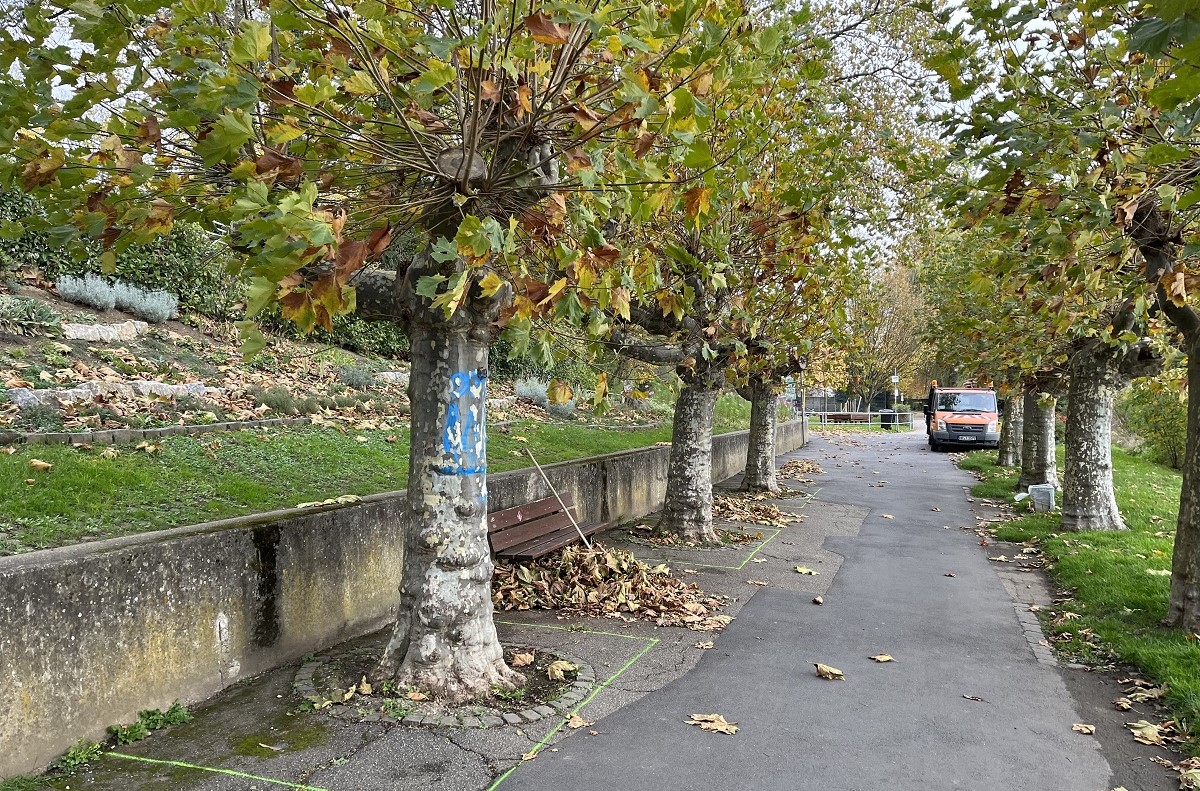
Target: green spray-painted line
{"points": [[569, 629], [602, 685], [231, 772], [745, 560]]}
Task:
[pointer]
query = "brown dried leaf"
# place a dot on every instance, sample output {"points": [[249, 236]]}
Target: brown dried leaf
{"points": [[556, 669], [575, 721], [714, 723], [828, 672], [521, 660], [1086, 730]]}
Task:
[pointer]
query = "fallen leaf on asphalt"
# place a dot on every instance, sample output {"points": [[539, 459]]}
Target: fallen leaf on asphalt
{"points": [[1143, 695], [705, 645], [1145, 732], [593, 733], [759, 560], [40, 466], [883, 658], [975, 698], [1123, 704], [806, 570], [887, 516], [1000, 559], [575, 721], [556, 669], [830, 673], [349, 693], [417, 694], [935, 508], [949, 574], [521, 660], [1086, 730], [759, 583], [529, 756], [818, 599], [714, 723]]}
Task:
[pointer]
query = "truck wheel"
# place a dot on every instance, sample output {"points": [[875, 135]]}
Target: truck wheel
{"points": [[934, 446]]}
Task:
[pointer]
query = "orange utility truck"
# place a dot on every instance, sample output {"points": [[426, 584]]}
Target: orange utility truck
{"points": [[964, 416]]}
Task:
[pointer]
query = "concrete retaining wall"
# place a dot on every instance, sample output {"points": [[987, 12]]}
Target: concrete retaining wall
{"points": [[91, 634]]}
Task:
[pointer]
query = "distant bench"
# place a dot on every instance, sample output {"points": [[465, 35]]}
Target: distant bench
{"points": [[530, 531], [848, 417]]}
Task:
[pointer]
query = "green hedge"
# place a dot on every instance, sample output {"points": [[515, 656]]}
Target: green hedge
{"points": [[185, 263]]}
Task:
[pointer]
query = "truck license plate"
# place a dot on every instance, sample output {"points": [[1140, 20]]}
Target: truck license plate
{"points": [[965, 438]]}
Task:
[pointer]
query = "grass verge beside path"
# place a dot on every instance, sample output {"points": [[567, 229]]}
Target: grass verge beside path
{"points": [[86, 495], [1120, 593]]}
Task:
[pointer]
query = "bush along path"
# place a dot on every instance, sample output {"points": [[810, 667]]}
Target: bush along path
{"points": [[1115, 589]]}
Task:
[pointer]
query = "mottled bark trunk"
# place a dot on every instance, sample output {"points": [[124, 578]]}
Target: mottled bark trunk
{"points": [[1089, 501], [1156, 240], [1184, 608], [1011, 431], [1038, 462], [444, 641], [688, 508], [760, 453]]}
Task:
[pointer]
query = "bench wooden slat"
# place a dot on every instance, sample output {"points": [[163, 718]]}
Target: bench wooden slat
{"points": [[545, 544], [510, 517], [526, 531]]}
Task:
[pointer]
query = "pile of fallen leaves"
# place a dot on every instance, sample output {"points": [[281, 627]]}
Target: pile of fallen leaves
{"points": [[796, 469], [605, 582], [742, 509]]}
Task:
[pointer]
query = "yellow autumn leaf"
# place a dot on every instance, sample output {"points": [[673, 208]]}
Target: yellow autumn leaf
{"points": [[1086, 730], [714, 723], [575, 721], [556, 669], [828, 672], [41, 466], [806, 570], [883, 658], [490, 284]]}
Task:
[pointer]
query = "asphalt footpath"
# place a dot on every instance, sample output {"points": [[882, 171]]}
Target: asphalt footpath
{"points": [[967, 703]]}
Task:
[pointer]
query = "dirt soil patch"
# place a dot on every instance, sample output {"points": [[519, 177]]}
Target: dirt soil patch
{"points": [[343, 691]]}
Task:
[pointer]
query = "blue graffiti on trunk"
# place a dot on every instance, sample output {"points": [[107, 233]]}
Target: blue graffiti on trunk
{"points": [[464, 439]]}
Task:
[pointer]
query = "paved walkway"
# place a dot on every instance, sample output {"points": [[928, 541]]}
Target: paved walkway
{"points": [[900, 726], [973, 701]]}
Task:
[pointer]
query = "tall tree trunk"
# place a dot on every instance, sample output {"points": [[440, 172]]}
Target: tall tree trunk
{"points": [[760, 452], [1038, 462], [688, 509], [1151, 230], [444, 641], [1089, 501], [1184, 608], [1011, 431]]}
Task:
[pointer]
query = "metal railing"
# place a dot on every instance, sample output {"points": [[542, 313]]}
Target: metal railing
{"points": [[896, 421]]}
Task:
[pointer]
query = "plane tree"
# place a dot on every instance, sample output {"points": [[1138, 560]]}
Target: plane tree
{"points": [[1087, 135], [309, 133]]}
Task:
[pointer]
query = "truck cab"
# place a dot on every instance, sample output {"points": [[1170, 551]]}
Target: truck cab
{"points": [[962, 417]]}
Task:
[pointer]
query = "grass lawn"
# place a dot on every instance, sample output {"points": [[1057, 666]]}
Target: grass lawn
{"points": [[194, 479], [1108, 574]]}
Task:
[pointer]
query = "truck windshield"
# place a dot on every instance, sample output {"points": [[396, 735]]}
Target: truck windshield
{"points": [[966, 402]]}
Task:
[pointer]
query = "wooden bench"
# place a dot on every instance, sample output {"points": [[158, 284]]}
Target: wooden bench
{"points": [[530, 531]]}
